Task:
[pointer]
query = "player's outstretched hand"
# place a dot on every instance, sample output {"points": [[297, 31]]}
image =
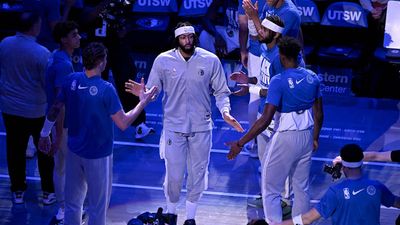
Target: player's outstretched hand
{"points": [[133, 87], [147, 95], [234, 149], [239, 77], [233, 122], [244, 90], [250, 8]]}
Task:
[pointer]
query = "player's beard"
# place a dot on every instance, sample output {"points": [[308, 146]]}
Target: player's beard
{"points": [[267, 40], [188, 49]]}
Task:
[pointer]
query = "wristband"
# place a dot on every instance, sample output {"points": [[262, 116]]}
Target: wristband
{"points": [[47, 126], [255, 90], [252, 28], [297, 220]]}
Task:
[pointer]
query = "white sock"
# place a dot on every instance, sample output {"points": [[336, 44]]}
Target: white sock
{"points": [[191, 209], [171, 207]]}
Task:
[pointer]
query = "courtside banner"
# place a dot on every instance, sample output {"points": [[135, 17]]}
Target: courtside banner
{"points": [[308, 11], [335, 81], [194, 8], [159, 6], [345, 14]]}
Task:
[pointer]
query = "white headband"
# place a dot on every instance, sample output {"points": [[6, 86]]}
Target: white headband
{"points": [[352, 164], [272, 26], [184, 30]]}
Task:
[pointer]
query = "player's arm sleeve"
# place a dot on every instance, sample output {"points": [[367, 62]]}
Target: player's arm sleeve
{"points": [[42, 60], [292, 24], [274, 96], [155, 76], [220, 87], [111, 100], [327, 206]]}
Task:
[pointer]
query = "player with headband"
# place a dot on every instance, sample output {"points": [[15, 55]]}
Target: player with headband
{"points": [[186, 74]]}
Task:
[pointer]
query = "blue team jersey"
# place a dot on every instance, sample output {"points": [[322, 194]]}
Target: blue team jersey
{"points": [[271, 66], [59, 67], [254, 45], [294, 90], [290, 16], [89, 104], [268, 62], [355, 202]]}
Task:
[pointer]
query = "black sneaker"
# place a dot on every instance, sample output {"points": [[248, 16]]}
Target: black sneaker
{"points": [[18, 197], [190, 222], [170, 218], [142, 130], [286, 210]]}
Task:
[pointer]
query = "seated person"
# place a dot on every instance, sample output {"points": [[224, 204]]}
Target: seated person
{"points": [[221, 32]]}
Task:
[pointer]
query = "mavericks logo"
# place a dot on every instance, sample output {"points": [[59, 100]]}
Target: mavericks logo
{"points": [[93, 90]]}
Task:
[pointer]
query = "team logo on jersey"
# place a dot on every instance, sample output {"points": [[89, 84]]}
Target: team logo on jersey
{"points": [[310, 78], [170, 73], [201, 72], [346, 193], [93, 90], [291, 83], [169, 142], [371, 190], [73, 85]]}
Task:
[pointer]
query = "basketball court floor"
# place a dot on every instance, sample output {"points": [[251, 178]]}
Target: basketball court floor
{"points": [[374, 124]]}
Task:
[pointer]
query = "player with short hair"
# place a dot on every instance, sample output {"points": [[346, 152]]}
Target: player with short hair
{"points": [[295, 94]]}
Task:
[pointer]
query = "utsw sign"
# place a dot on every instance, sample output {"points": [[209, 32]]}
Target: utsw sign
{"points": [[338, 15], [153, 2], [306, 10], [196, 4]]}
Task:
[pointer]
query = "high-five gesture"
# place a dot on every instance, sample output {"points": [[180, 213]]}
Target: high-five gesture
{"points": [[250, 9], [147, 95], [233, 122], [133, 87], [139, 89]]}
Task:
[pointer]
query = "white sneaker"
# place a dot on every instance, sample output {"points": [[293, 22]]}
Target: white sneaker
{"points": [[31, 149], [48, 198], [60, 214], [142, 130]]}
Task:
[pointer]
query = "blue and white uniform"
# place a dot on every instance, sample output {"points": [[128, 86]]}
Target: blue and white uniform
{"points": [[187, 126], [60, 66], [269, 60], [89, 104], [270, 66], [355, 202], [293, 92], [253, 63]]}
